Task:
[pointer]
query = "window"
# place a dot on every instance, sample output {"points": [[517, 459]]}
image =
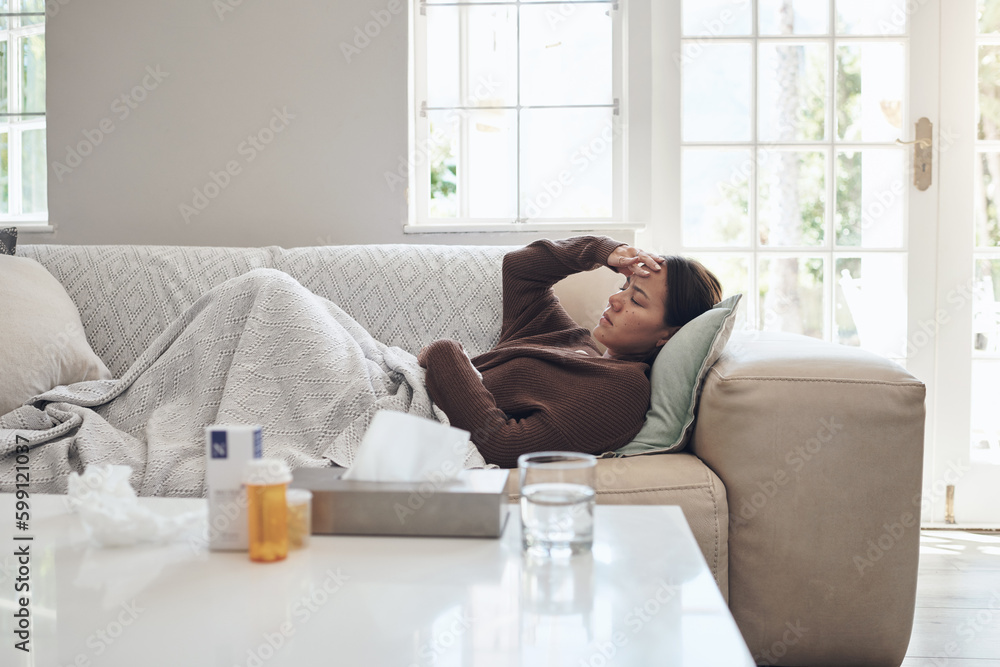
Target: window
{"points": [[516, 113], [23, 173], [793, 189]]}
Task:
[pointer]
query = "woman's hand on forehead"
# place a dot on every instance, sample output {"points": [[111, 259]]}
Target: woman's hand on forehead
{"points": [[628, 261]]}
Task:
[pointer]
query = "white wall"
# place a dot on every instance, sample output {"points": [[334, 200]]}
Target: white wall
{"points": [[320, 180]]}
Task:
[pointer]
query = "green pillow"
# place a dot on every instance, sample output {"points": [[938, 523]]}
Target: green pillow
{"points": [[676, 379]]}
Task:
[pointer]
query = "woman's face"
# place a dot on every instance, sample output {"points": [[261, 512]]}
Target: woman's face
{"points": [[632, 324]]}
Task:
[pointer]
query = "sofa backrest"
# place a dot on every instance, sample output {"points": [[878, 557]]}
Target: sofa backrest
{"points": [[405, 295]]}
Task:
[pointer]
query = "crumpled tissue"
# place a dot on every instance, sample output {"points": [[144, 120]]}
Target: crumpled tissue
{"points": [[113, 517], [398, 447]]}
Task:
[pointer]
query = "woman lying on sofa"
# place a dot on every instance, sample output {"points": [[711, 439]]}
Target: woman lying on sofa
{"points": [[546, 385], [260, 348]]}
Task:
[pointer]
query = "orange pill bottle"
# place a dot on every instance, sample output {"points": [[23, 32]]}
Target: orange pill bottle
{"points": [[267, 510]]}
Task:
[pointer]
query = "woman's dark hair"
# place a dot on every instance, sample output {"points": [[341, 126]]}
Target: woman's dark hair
{"points": [[691, 290]]}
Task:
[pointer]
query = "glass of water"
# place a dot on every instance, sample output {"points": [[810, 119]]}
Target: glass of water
{"points": [[557, 502]]}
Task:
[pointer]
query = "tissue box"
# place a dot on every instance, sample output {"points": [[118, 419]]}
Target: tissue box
{"points": [[470, 506]]}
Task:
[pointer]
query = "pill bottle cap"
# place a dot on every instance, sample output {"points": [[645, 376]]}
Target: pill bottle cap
{"points": [[262, 472], [298, 496]]}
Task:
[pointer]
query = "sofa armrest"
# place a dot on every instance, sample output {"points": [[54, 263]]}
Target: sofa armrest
{"points": [[820, 448]]}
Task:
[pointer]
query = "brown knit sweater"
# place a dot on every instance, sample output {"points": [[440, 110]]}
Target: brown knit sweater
{"points": [[545, 385]]}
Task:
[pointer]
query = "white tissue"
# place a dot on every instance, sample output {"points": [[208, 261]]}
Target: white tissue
{"points": [[112, 515], [398, 447]]}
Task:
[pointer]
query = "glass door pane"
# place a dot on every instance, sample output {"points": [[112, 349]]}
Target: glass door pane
{"points": [[788, 162], [984, 440]]}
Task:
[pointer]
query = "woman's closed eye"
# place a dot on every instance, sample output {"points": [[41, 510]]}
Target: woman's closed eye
{"points": [[628, 281]]}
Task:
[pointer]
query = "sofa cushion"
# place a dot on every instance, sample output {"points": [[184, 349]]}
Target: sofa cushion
{"points": [[677, 377], [127, 295], [408, 295], [43, 343], [679, 479], [8, 240]]}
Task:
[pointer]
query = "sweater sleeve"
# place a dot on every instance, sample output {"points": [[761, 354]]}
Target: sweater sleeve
{"points": [[530, 272], [453, 384]]}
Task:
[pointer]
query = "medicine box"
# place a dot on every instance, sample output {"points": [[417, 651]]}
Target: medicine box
{"points": [[228, 448], [472, 505]]}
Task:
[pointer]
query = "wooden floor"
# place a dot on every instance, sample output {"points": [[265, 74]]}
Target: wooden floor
{"points": [[957, 620]]}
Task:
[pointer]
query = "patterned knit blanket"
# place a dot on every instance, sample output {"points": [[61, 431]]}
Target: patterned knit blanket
{"points": [[256, 349]]}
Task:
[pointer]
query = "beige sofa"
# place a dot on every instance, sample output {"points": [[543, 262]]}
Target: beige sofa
{"points": [[801, 484]]}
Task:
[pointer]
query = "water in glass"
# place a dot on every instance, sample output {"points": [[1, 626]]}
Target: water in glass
{"points": [[557, 518]]}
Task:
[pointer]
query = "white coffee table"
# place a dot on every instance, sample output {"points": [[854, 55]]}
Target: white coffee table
{"points": [[644, 597]]}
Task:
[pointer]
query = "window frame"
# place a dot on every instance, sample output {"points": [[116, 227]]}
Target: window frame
{"points": [[16, 122], [418, 168], [668, 79]]}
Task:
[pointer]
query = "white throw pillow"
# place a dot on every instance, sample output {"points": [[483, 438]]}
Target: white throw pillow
{"points": [[42, 342]]}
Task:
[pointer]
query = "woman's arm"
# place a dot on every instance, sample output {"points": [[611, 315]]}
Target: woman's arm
{"points": [[453, 384], [529, 273]]}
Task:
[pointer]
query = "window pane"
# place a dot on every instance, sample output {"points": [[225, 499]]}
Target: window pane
{"points": [[871, 17], [847, 276], [566, 54], [791, 198], [566, 163], [986, 184], [4, 174], [491, 69], [492, 151], [869, 91], [715, 186], [869, 199], [733, 271], [791, 295], [871, 303], [985, 416], [34, 188], [989, 16], [716, 17], [491, 77], [32, 7], [33, 73], [715, 92], [986, 306], [442, 151], [987, 180], [798, 17], [443, 56], [792, 104], [472, 161], [989, 92], [4, 89]]}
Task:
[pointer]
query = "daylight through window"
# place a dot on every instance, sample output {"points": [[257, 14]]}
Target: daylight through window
{"points": [[23, 175], [516, 114]]}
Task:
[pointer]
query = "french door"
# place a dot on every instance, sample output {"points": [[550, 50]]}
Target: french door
{"points": [[785, 144], [964, 426]]}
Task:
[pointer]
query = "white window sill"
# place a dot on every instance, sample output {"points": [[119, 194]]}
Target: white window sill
{"points": [[41, 227], [516, 228]]}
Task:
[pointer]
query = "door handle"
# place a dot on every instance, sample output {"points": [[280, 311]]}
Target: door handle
{"points": [[923, 154]]}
